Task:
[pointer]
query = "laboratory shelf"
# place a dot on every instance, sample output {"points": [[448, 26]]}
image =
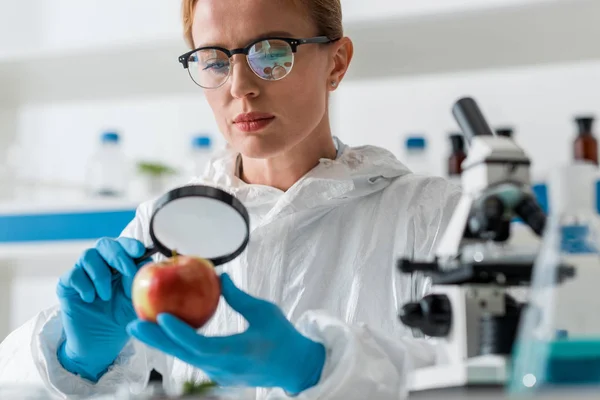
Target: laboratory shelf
{"points": [[50, 202], [434, 39], [58, 226], [29, 229]]}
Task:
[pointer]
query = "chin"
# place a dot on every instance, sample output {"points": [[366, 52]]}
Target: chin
{"points": [[260, 145]]}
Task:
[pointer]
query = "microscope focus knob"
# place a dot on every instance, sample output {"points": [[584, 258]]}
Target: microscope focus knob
{"points": [[432, 315], [488, 221]]}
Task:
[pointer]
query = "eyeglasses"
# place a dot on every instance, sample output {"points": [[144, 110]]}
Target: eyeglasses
{"points": [[270, 59]]}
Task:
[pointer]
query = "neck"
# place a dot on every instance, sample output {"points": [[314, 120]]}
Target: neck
{"points": [[285, 169]]}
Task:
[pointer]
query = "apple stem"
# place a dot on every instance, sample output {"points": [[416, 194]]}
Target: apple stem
{"points": [[175, 255]]}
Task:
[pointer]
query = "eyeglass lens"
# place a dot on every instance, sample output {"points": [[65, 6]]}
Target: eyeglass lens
{"points": [[269, 59]]}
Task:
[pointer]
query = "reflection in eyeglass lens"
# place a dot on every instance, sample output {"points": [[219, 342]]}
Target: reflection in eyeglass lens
{"points": [[271, 59]]}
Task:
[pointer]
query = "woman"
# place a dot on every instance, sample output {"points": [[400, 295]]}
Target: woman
{"points": [[313, 311]]}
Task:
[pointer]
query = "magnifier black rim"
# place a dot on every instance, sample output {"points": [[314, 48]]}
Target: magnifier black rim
{"points": [[208, 192]]}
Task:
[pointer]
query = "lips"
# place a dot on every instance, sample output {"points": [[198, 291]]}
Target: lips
{"points": [[253, 122], [252, 117]]}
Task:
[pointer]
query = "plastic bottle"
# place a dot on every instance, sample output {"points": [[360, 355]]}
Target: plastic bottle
{"points": [[416, 157], [505, 132], [585, 146], [108, 169], [558, 344], [14, 173], [456, 157], [200, 155], [7, 183]]}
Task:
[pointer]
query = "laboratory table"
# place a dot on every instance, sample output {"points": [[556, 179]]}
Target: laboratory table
{"points": [[496, 393], [28, 392]]}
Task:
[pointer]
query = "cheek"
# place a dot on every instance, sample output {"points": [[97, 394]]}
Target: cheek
{"points": [[218, 105], [305, 98]]}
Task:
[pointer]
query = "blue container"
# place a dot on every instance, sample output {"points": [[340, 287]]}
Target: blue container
{"points": [[573, 362]]}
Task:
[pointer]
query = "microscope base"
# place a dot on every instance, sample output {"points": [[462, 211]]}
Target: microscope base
{"points": [[484, 371]]}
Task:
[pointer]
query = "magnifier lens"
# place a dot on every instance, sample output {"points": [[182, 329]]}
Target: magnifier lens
{"points": [[200, 226]]}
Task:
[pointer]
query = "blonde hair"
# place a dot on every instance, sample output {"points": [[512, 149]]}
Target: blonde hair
{"points": [[327, 15]]}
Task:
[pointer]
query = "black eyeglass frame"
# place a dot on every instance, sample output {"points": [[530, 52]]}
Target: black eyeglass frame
{"points": [[294, 43]]}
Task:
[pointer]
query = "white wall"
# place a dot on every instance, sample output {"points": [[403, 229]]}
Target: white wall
{"points": [[61, 137], [29, 296], [539, 101], [44, 26], [8, 128], [355, 9], [30, 285]]}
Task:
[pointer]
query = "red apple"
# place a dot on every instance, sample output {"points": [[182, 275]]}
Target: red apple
{"points": [[186, 287]]}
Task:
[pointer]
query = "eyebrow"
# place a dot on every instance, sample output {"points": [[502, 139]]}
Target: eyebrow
{"points": [[262, 36], [275, 34]]}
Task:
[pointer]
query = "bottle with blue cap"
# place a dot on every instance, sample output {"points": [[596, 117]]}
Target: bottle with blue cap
{"points": [[416, 156], [200, 155], [107, 169]]}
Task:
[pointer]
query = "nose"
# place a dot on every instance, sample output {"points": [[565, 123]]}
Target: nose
{"points": [[243, 80]]}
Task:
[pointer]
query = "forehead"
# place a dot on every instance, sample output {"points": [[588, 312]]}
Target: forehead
{"points": [[233, 23]]}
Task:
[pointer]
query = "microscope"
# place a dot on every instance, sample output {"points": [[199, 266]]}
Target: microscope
{"points": [[471, 308]]}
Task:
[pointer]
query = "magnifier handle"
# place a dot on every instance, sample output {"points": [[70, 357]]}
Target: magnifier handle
{"points": [[150, 251]]}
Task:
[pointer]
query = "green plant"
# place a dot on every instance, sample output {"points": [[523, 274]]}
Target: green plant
{"points": [[193, 388], [154, 169]]}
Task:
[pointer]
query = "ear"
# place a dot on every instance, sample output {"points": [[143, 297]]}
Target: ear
{"points": [[341, 56]]}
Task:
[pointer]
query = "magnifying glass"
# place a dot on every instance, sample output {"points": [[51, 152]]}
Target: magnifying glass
{"points": [[200, 221]]}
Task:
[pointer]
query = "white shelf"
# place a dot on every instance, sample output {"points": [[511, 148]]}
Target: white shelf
{"points": [[524, 32], [35, 250], [21, 207], [58, 229]]}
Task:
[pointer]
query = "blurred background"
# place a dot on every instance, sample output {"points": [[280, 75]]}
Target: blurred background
{"points": [[96, 114]]}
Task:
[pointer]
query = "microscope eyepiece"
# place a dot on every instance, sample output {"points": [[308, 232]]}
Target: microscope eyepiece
{"points": [[470, 119]]}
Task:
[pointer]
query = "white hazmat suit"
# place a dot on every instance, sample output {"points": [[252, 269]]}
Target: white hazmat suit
{"points": [[324, 251]]}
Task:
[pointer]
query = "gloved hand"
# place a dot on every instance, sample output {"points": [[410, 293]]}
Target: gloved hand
{"points": [[96, 306], [270, 353]]}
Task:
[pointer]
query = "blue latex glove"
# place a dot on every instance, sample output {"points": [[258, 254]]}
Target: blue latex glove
{"points": [[96, 306], [270, 353]]}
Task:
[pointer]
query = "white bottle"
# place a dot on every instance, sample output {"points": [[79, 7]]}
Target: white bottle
{"points": [[416, 157], [108, 169], [199, 156]]}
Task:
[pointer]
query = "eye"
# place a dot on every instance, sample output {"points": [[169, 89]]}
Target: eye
{"points": [[216, 66]]}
